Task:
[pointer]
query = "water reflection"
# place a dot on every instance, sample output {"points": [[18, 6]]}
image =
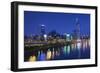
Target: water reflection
{"points": [[80, 50], [32, 58], [53, 53], [41, 56], [48, 56]]}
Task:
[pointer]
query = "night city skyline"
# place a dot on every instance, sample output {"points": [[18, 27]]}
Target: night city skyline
{"points": [[61, 22], [56, 36]]}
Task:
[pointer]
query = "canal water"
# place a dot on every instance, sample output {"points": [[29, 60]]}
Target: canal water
{"points": [[66, 52]]}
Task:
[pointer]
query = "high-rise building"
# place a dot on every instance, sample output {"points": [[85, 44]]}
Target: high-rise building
{"points": [[77, 28], [76, 32], [43, 33], [42, 30]]}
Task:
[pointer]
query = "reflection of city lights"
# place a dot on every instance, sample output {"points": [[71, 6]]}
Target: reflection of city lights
{"points": [[32, 58], [78, 45], [75, 46], [38, 53], [84, 45], [53, 53], [42, 56], [57, 53], [88, 42], [68, 49], [65, 49], [72, 46], [48, 54]]}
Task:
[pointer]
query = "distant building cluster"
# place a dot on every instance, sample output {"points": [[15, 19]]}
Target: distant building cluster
{"points": [[54, 35]]}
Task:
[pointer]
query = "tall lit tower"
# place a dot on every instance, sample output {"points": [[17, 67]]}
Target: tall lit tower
{"points": [[43, 33], [42, 30], [77, 29]]}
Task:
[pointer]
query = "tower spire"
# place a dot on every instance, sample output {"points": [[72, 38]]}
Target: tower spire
{"points": [[77, 28]]}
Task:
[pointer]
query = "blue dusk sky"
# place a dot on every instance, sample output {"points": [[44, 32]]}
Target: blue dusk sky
{"points": [[61, 22]]}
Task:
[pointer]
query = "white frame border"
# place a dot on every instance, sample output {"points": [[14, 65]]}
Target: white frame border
{"points": [[22, 64]]}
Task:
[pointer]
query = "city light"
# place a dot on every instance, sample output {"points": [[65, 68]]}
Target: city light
{"points": [[63, 41], [45, 37]]}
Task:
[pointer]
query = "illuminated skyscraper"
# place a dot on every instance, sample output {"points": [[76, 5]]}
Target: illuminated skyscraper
{"points": [[42, 30], [77, 29], [76, 33], [43, 33]]}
